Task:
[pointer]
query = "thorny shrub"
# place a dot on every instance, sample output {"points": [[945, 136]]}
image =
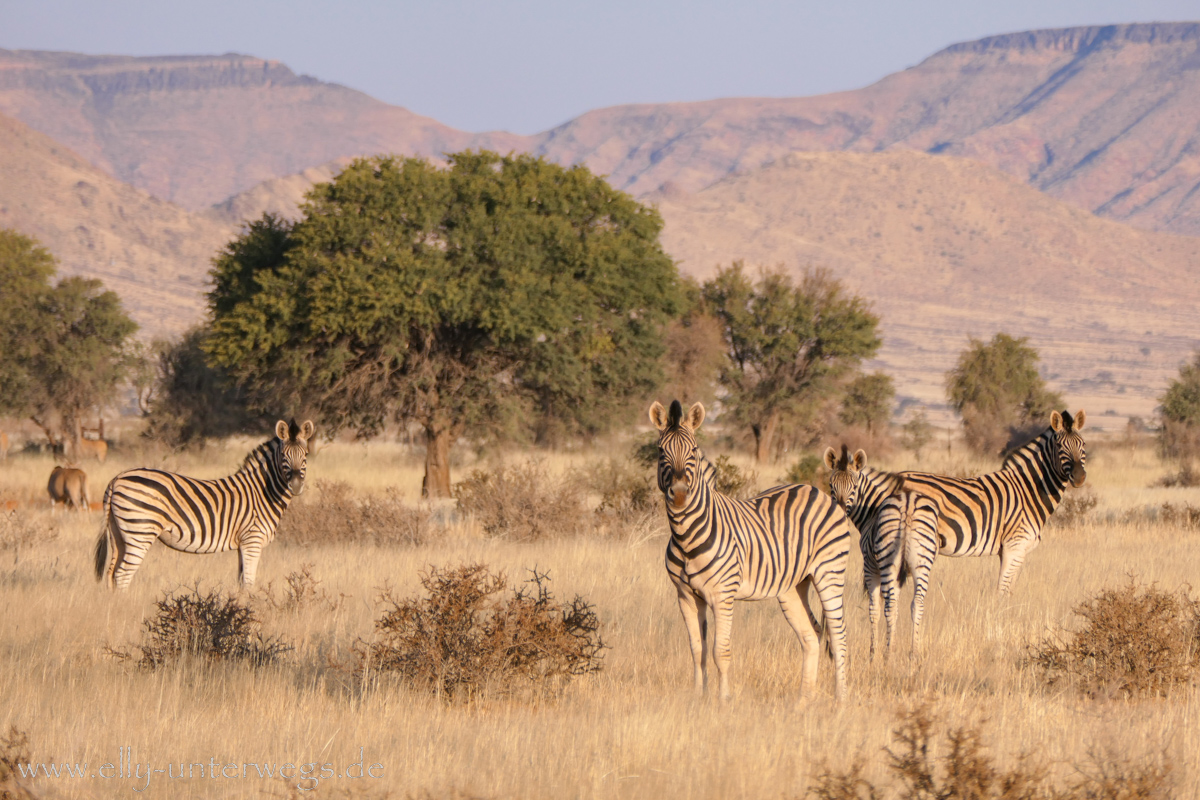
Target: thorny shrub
{"points": [[338, 517], [1135, 642], [301, 590], [211, 627], [1075, 509], [14, 750], [468, 635], [522, 501], [966, 771]]}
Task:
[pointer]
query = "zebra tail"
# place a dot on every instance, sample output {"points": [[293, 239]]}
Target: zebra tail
{"points": [[102, 542]]}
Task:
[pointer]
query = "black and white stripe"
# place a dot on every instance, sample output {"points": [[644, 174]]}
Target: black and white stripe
{"points": [[240, 512], [774, 545], [1003, 513], [897, 536]]}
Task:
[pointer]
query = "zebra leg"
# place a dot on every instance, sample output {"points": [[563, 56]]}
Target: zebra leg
{"points": [[249, 551], [831, 587], [129, 550], [722, 635], [1012, 558], [871, 581], [796, 611], [695, 619], [889, 582], [921, 563]]}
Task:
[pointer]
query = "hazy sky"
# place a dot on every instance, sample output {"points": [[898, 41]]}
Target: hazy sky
{"points": [[527, 65]]}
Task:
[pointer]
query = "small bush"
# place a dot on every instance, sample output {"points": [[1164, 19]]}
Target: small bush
{"points": [[338, 517], [301, 590], [1135, 642], [806, 469], [14, 750], [19, 529], [521, 502], [1075, 509], [966, 771], [732, 481], [211, 627], [466, 636], [1187, 477], [1185, 515]]}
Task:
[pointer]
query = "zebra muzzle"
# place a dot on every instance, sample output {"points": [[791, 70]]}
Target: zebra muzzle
{"points": [[1078, 476]]}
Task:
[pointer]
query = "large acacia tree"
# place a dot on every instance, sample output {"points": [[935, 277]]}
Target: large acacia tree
{"points": [[787, 344], [439, 295]]}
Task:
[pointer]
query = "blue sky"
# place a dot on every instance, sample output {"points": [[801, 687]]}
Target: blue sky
{"points": [[527, 65]]}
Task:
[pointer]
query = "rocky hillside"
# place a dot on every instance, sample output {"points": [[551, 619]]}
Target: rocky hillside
{"points": [[1104, 118], [196, 130], [946, 248], [154, 254]]}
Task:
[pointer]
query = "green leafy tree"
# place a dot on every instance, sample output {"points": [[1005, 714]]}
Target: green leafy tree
{"points": [[786, 345], [695, 350], [868, 401], [67, 347], [1180, 412], [997, 390], [448, 296], [918, 433]]}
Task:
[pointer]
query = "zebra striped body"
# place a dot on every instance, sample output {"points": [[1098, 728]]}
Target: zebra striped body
{"points": [[774, 545], [897, 536], [240, 512], [1002, 513]]}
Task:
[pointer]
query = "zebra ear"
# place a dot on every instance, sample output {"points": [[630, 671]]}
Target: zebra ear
{"points": [[1079, 419], [658, 415], [695, 415], [1056, 423], [830, 458], [306, 430], [860, 459], [281, 430]]}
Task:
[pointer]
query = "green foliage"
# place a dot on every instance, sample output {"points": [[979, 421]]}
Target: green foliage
{"points": [[998, 391], [63, 348], [805, 470], [410, 292], [868, 401], [192, 400], [1180, 411], [786, 345], [917, 433]]}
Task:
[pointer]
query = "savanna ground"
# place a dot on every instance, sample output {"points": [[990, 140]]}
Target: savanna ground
{"points": [[633, 729]]}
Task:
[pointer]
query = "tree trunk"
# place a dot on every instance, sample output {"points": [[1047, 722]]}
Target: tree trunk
{"points": [[437, 463], [764, 438]]}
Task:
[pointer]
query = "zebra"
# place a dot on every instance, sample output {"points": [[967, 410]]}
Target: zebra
{"points": [[1002, 513], [239, 512], [897, 536], [774, 545]]}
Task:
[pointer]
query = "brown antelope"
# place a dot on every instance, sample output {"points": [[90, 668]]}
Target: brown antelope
{"points": [[92, 448], [68, 486]]}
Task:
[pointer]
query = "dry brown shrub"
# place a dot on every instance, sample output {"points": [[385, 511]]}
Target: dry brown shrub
{"points": [[210, 627], [338, 517], [467, 636], [1135, 642], [630, 504], [522, 501], [301, 590], [966, 771], [1076, 508], [1187, 477], [14, 752], [1185, 515], [19, 529]]}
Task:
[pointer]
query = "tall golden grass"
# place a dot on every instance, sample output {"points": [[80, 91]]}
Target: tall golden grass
{"points": [[633, 730]]}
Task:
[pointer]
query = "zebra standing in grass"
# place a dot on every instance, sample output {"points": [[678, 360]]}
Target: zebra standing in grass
{"points": [[239, 512], [897, 536], [773, 545], [1002, 513]]}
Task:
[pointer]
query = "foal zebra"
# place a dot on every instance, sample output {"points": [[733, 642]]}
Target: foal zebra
{"points": [[773, 545], [1002, 513], [897, 536], [239, 512]]}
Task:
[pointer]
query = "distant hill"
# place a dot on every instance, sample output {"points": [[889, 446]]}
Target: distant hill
{"points": [[154, 254], [946, 248], [1106, 118], [195, 130]]}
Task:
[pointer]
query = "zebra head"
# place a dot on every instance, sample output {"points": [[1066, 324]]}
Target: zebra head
{"points": [[678, 455], [291, 457], [1069, 444], [845, 476]]}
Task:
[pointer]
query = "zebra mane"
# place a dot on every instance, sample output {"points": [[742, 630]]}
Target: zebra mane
{"points": [[260, 455], [1029, 446]]}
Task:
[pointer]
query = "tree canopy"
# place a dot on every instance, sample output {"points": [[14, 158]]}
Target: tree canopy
{"points": [[997, 390], [446, 296], [786, 344], [65, 348], [868, 401], [1180, 411]]}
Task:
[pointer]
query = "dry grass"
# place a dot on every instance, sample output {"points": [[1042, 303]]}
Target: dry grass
{"points": [[632, 730]]}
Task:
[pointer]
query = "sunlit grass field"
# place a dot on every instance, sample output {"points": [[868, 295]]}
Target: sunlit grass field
{"points": [[632, 730]]}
